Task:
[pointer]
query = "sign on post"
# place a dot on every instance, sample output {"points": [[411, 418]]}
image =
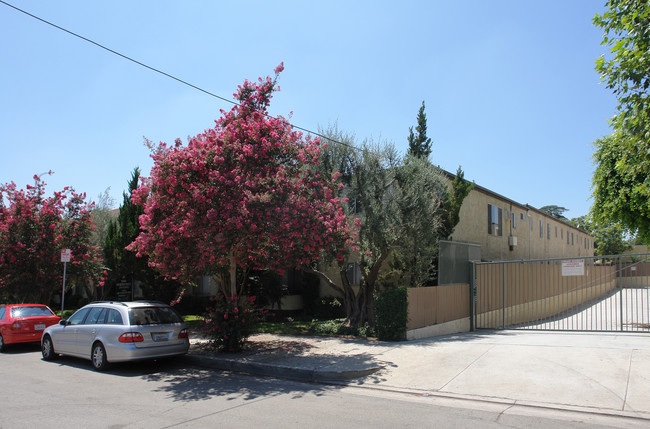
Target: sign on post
{"points": [[66, 256]]}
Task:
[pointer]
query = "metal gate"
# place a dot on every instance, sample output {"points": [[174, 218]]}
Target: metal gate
{"points": [[604, 293]]}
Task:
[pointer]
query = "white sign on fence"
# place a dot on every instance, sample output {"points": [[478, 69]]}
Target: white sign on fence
{"points": [[573, 267]]}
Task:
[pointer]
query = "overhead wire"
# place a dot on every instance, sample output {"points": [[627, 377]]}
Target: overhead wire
{"points": [[162, 72]]}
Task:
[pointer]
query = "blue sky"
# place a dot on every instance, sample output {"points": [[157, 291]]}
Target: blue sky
{"points": [[510, 88]]}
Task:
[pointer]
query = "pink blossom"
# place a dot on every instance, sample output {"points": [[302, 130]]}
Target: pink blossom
{"points": [[211, 202]]}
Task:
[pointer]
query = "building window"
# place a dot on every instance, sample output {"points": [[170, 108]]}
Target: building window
{"points": [[556, 231], [514, 220], [541, 229], [568, 239], [530, 218], [548, 231], [572, 239], [495, 220]]}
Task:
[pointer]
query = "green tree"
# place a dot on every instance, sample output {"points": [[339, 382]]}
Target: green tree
{"points": [[609, 239], [395, 203], [621, 181], [121, 232], [452, 202], [621, 184], [627, 70], [555, 211], [583, 222], [123, 263], [102, 215], [419, 143]]}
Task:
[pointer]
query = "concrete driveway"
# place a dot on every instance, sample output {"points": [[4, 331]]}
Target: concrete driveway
{"points": [[594, 372], [603, 373]]}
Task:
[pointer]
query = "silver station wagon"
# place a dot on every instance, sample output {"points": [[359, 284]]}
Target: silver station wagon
{"points": [[108, 332]]}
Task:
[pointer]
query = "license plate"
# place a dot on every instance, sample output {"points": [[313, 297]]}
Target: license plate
{"points": [[160, 337], [39, 326]]}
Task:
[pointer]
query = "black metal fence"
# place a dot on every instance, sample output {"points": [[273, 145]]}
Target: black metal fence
{"points": [[604, 293]]}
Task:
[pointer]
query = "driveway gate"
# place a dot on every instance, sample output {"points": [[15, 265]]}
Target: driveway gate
{"points": [[604, 293]]}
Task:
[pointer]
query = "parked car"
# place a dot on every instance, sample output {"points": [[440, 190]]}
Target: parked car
{"points": [[108, 332], [24, 323]]}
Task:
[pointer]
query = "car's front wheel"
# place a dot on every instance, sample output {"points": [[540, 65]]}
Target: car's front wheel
{"points": [[98, 357], [47, 348]]}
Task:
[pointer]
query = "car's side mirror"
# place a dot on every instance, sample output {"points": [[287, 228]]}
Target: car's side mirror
{"points": [[63, 322]]}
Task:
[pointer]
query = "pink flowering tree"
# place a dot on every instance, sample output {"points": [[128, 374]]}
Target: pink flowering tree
{"points": [[33, 231], [243, 195]]}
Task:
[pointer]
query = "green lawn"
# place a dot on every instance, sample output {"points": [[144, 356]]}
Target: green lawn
{"points": [[289, 327]]}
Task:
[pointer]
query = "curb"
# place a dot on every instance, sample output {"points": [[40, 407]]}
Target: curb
{"points": [[513, 403], [279, 371]]}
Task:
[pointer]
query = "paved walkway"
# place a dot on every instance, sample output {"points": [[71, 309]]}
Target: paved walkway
{"points": [[590, 372]]}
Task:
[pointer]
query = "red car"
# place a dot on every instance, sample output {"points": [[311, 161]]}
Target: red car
{"points": [[24, 323]]}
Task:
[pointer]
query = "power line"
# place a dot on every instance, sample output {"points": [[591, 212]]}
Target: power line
{"points": [[160, 71]]}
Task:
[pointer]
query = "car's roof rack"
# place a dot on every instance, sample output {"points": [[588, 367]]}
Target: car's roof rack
{"points": [[108, 302]]}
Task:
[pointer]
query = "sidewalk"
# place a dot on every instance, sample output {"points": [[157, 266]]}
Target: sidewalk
{"points": [[593, 372]]}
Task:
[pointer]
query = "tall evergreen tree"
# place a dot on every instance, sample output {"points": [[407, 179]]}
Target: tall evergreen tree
{"points": [[419, 143], [452, 202], [124, 264], [122, 232]]}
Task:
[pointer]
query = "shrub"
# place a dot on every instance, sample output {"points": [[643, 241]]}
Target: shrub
{"points": [[391, 314], [231, 320], [337, 327], [328, 308], [327, 327]]}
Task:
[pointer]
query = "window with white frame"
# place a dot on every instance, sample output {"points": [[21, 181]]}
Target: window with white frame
{"points": [[495, 220]]}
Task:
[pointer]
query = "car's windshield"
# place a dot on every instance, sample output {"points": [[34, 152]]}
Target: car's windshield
{"points": [[153, 316], [30, 311]]}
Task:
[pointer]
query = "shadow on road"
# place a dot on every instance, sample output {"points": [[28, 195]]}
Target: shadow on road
{"points": [[192, 384]]}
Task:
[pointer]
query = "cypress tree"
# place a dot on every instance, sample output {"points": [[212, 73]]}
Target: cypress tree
{"points": [[419, 143]]}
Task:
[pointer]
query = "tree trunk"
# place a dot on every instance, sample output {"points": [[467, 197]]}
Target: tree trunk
{"points": [[233, 275], [362, 310], [224, 281]]}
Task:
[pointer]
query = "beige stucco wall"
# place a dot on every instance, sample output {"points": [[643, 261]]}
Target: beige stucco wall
{"points": [[473, 227]]}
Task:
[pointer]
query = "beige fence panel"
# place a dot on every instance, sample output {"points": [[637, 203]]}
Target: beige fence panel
{"points": [[569, 294], [437, 304]]}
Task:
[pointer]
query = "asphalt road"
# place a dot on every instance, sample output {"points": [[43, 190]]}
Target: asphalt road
{"points": [[67, 393]]}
